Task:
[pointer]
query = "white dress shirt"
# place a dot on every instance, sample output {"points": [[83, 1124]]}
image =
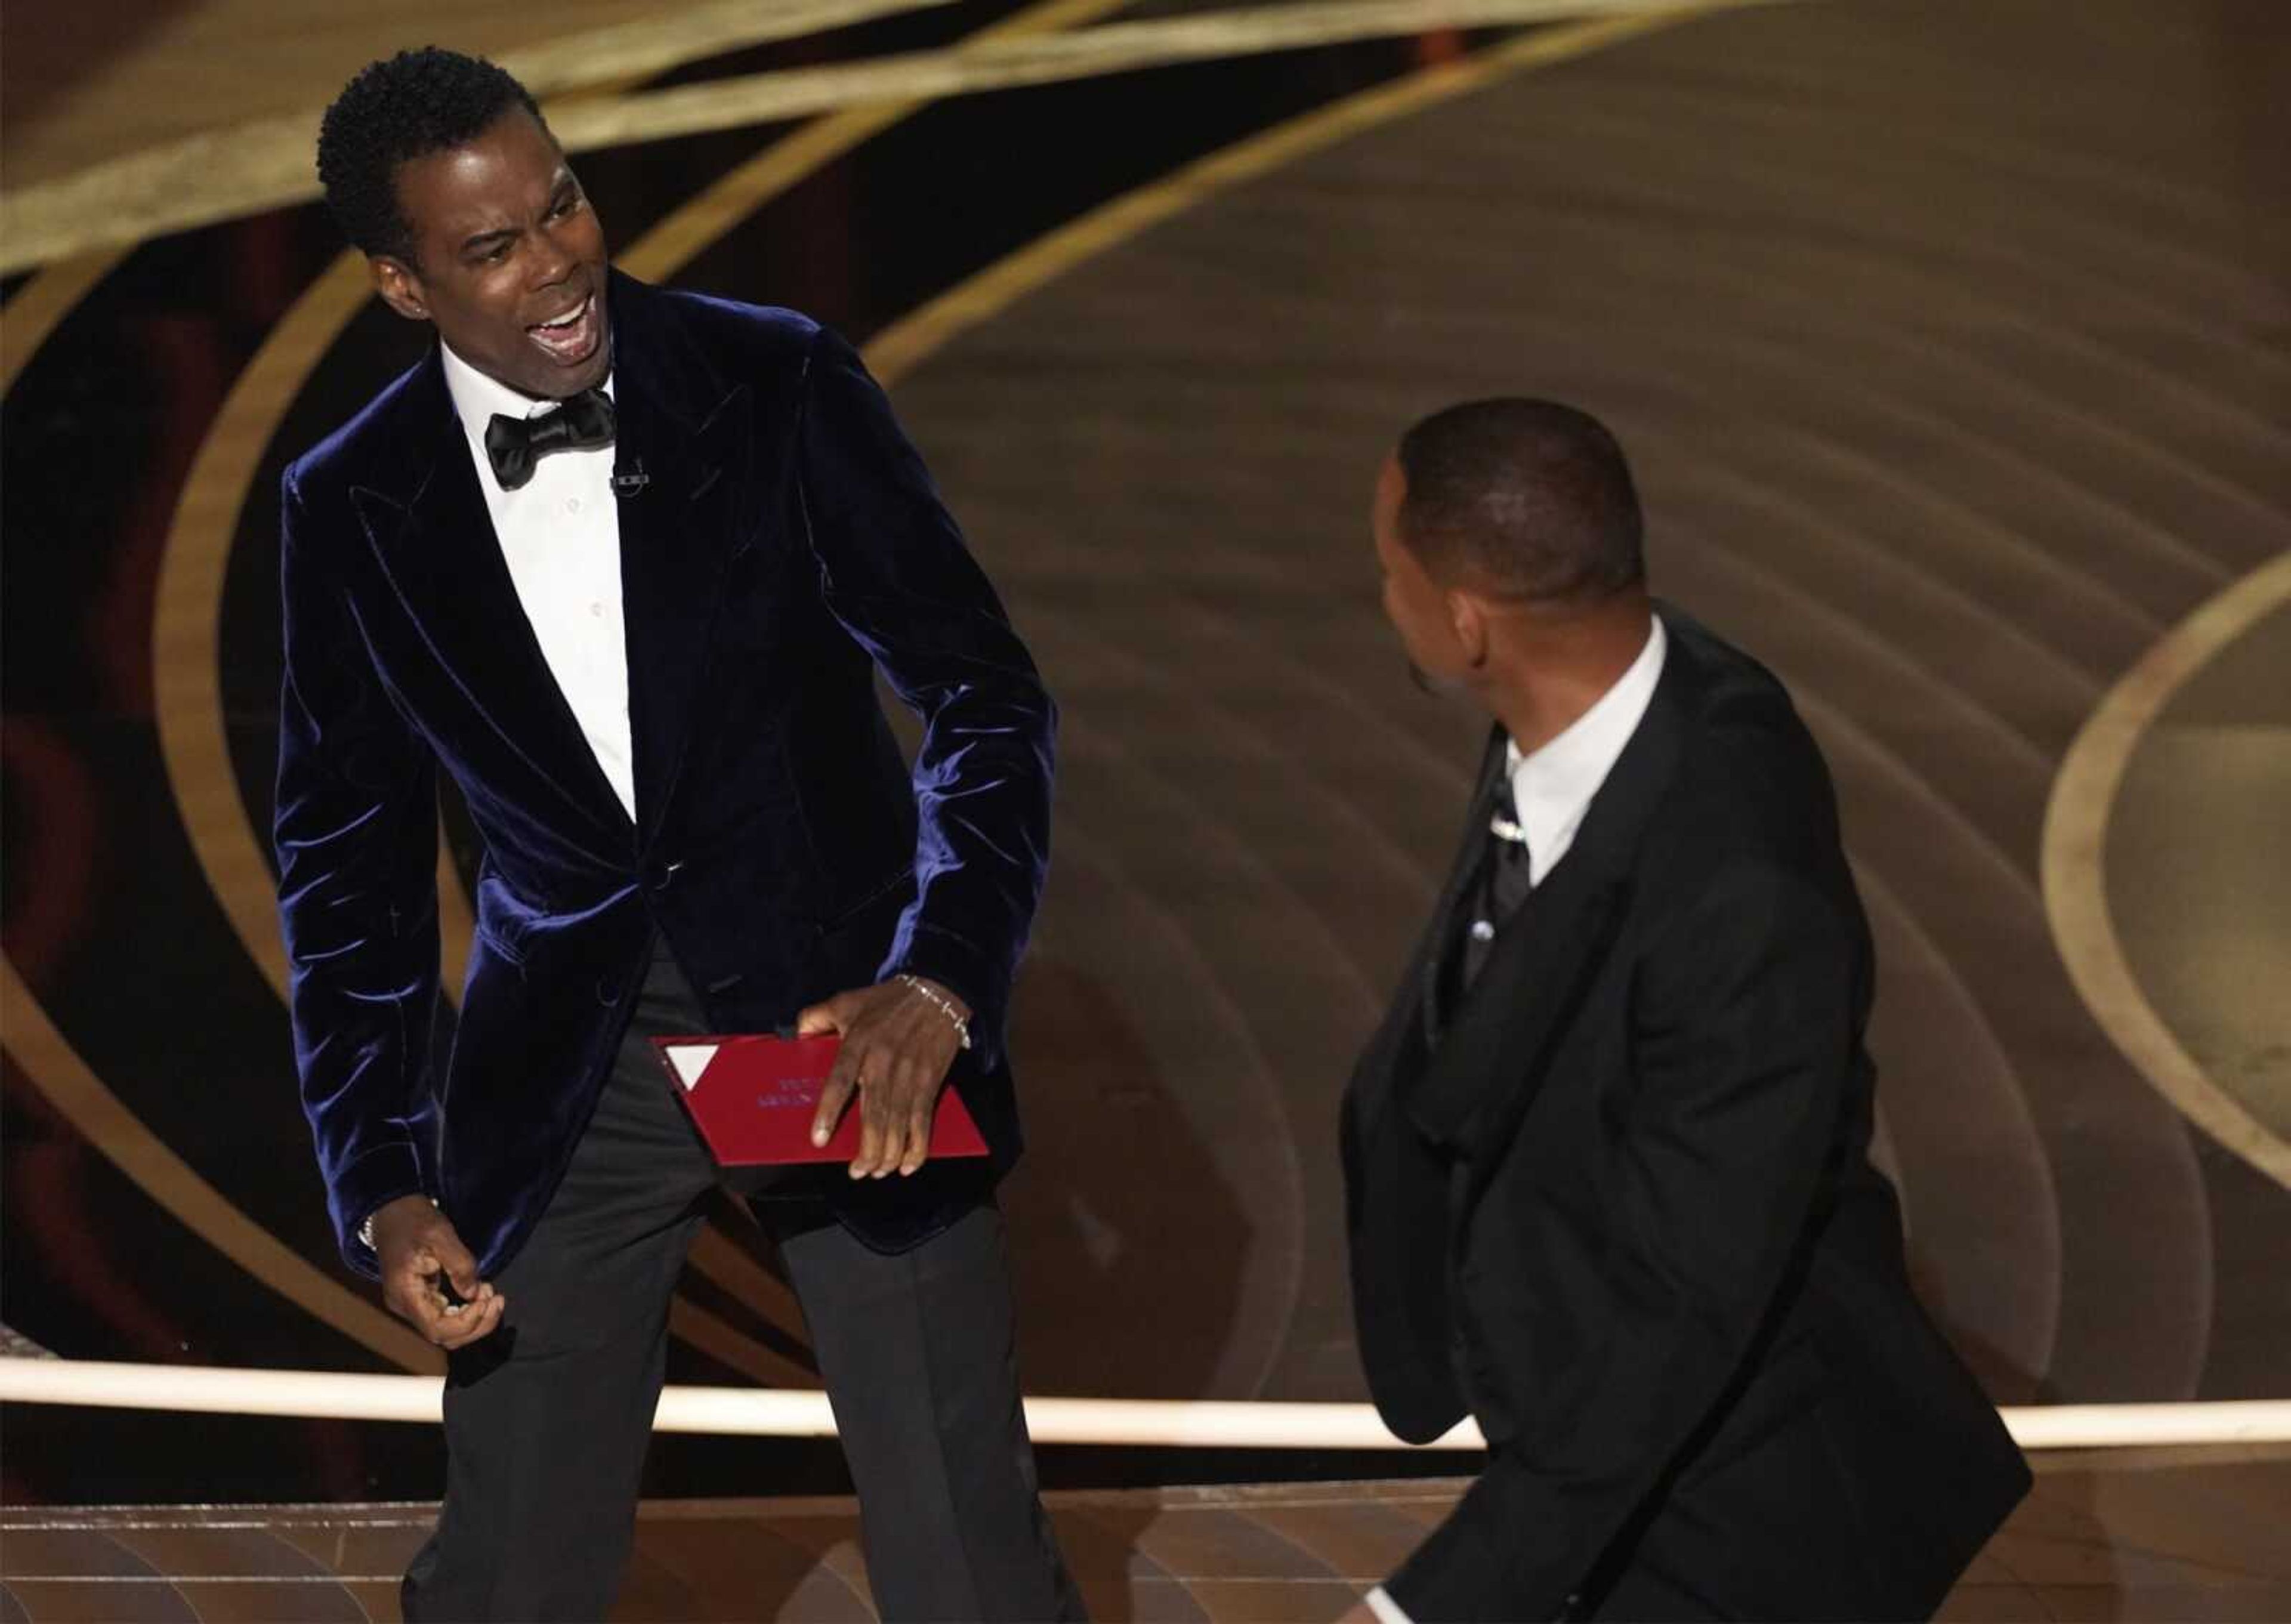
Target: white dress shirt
{"points": [[561, 536], [1552, 788]]}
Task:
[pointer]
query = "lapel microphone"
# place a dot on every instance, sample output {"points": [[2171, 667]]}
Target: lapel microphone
{"points": [[627, 484]]}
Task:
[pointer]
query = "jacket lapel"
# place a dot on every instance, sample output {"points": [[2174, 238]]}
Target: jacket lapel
{"points": [[1469, 849], [690, 438], [1488, 1066], [426, 519], [1411, 1022], [1396, 1183], [1492, 1058]]}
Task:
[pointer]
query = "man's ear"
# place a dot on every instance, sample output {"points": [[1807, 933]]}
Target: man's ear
{"points": [[1467, 618], [400, 288]]}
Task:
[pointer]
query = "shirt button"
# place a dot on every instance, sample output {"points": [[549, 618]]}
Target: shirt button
{"points": [[597, 609], [572, 504], [1483, 931]]}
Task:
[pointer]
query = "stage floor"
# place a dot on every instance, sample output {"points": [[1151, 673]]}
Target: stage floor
{"points": [[2128, 1537]]}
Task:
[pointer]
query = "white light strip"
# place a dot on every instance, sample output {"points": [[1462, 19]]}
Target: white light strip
{"points": [[1161, 1423]]}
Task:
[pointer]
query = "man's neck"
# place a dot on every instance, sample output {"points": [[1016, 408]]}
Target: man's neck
{"points": [[1542, 679]]}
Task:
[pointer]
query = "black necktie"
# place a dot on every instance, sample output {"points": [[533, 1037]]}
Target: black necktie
{"points": [[1504, 877], [513, 445]]}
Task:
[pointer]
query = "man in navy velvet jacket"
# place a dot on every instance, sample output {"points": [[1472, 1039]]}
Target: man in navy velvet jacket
{"points": [[623, 562]]}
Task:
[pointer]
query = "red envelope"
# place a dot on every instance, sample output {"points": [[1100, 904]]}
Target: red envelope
{"points": [[752, 1097]]}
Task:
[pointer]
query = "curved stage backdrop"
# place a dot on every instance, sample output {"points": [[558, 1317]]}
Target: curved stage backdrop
{"points": [[1949, 340]]}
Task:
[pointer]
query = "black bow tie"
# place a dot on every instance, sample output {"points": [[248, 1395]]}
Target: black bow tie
{"points": [[513, 445]]}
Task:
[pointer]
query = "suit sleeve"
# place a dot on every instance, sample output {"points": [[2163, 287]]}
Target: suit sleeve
{"points": [[1744, 1032], [895, 574], [355, 837]]}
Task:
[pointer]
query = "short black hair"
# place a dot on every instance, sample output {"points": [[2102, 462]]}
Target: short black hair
{"points": [[1528, 498], [392, 112]]}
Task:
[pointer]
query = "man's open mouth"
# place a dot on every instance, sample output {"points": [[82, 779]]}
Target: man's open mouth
{"points": [[572, 338]]}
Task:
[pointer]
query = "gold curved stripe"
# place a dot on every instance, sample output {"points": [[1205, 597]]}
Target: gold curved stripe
{"points": [[904, 344], [64, 1077], [56, 1069], [681, 34], [265, 163], [219, 174], [705, 220], [41, 304], [2075, 853], [186, 626], [1125, 47]]}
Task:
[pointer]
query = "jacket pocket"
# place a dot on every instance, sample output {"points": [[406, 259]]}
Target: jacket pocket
{"points": [[850, 912], [851, 942]]}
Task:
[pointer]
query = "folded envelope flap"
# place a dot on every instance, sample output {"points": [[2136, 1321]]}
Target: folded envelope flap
{"points": [[761, 1093], [688, 1061], [745, 1056]]}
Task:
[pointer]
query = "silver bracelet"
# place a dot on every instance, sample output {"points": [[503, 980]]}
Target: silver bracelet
{"points": [[945, 1005], [366, 1226]]}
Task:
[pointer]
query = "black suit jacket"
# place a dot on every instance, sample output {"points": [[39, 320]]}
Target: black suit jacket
{"points": [[1621, 1210], [787, 543]]}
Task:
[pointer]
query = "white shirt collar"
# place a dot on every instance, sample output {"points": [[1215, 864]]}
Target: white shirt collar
{"points": [[478, 398], [1554, 786]]}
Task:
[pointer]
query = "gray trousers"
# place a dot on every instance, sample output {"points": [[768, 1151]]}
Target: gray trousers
{"points": [[547, 1420]]}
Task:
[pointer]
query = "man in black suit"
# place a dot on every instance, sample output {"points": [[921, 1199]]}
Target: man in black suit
{"points": [[625, 563], [1607, 1160]]}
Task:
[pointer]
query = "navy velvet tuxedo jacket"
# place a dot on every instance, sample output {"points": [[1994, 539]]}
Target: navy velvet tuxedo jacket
{"points": [[787, 542], [1621, 1208]]}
